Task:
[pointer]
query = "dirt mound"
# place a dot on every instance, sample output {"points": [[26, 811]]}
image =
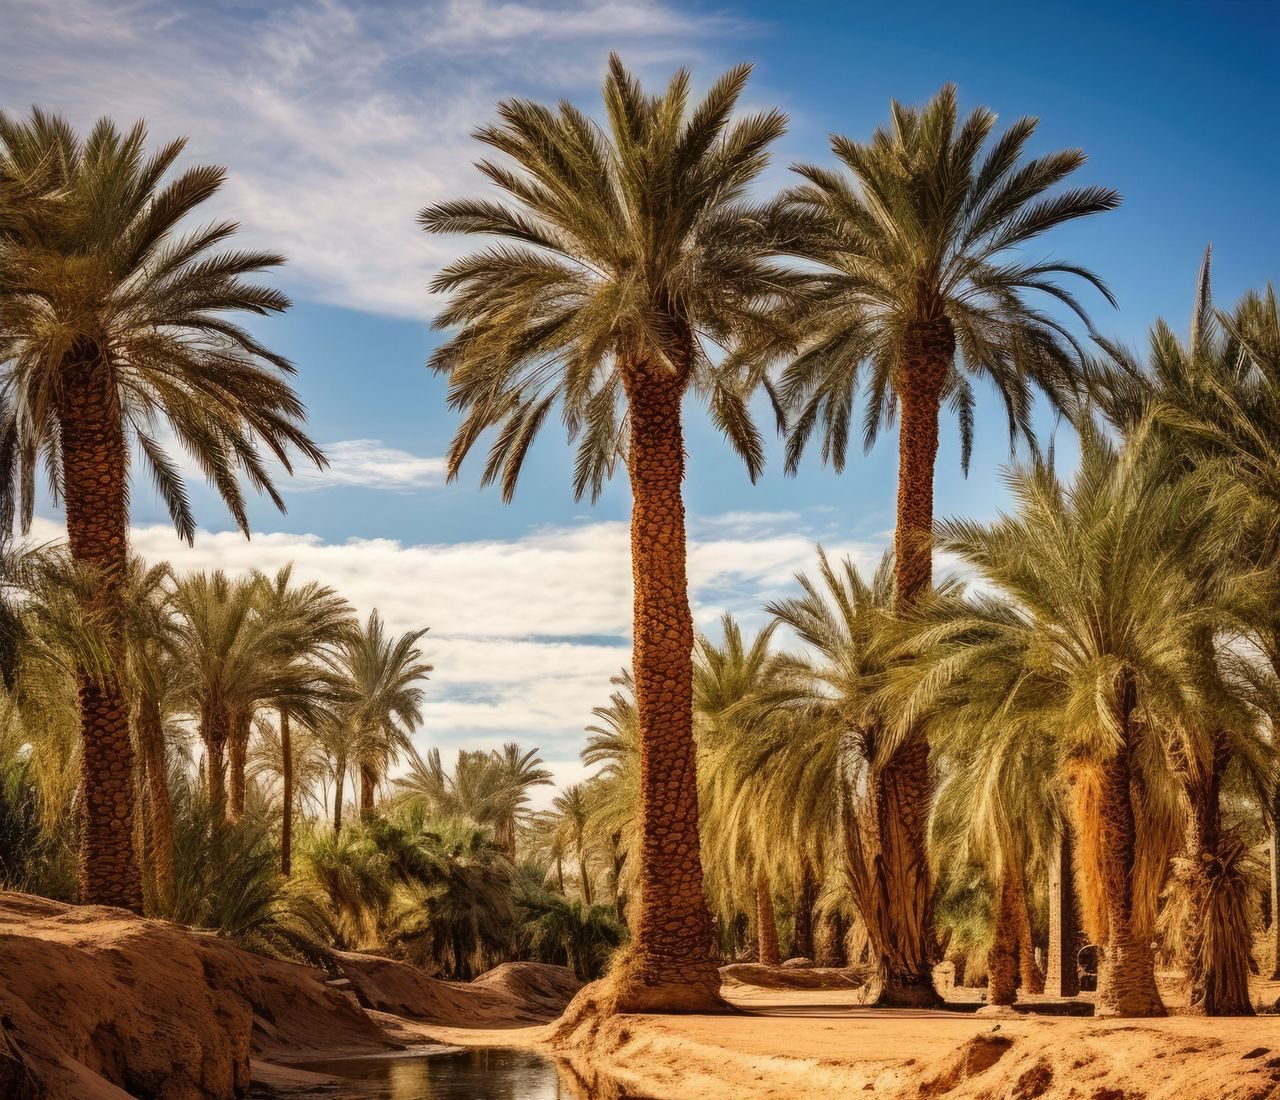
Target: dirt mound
{"points": [[99, 1004], [1175, 1059], [784, 977], [513, 995]]}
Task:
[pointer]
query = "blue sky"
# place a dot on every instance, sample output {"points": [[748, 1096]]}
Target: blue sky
{"points": [[338, 121]]}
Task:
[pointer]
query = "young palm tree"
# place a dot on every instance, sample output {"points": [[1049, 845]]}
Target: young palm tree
{"points": [[232, 661], [572, 807], [314, 618], [920, 291], [380, 677], [110, 323], [625, 251]]}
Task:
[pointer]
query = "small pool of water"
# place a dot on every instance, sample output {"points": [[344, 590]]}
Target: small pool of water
{"points": [[451, 1075]]}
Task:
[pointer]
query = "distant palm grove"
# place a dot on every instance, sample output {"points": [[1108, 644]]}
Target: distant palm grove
{"points": [[1063, 750]]}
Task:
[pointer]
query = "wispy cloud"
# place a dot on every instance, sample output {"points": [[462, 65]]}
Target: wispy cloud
{"points": [[369, 464], [338, 121], [526, 631]]}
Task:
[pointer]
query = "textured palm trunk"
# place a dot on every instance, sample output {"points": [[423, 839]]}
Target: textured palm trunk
{"points": [[1029, 972], [159, 817], [1063, 978], [215, 729], [669, 965], [766, 922], [95, 492], [1275, 889], [237, 759], [286, 795], [368, 789], [1002, 960], [1218, 976], [584, 876], [615, 878], [802, 936], [339, 783], [829, 944], [907, 793], [1127, 974]]}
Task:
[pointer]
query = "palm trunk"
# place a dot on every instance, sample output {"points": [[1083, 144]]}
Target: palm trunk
{"points": [[1126, 976], [95, 473], [286, 772], [238, 757], [766, 922], [214, 728], [829, 944], [907, 793], [615, 878], [1002, 961], [339, 781], [1275, 887], [1063, 978], [584, 876], [1217, 974], [560, 874], [159, 806], [368, 789], [802, 937], [669, 964], [1029, 972]]}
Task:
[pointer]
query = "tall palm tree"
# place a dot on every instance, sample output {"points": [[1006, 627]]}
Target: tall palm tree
{"points": [[314, 617], [380, 677], [921, 290], [626, 251], [110, 323]]}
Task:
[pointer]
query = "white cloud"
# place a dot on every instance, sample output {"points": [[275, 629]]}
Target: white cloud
{"points": [[525, 632], [368, 464], [338, 121]]}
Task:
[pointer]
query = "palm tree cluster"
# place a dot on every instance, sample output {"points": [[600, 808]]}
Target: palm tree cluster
{"points": [[886, 772]]}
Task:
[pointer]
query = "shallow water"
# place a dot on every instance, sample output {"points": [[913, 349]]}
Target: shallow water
{"points": [[462, 1075]]}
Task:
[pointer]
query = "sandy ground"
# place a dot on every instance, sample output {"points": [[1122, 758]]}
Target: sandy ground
{"points": [[819, 1044], [97, 1004]]}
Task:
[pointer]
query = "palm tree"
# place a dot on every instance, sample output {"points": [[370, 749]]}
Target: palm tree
{"points": [[918, 293], [1105, 624], [740, 838], [111, 322], [993, 735], [488, 788], [231, 661], [379, 677], [1204, 404], [314, 617], [519, 771], [152, 683], [626, 251], [572, 807]]}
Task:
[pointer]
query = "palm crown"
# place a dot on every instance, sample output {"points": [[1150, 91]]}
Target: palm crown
{"points": [[95, 268], [919, 233], [631, 248]]}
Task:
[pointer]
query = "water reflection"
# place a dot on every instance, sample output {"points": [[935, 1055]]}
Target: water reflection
{"points": [[465, 1075]]}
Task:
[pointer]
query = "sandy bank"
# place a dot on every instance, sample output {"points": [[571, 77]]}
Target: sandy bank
{"points": [[99, 1004]]}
